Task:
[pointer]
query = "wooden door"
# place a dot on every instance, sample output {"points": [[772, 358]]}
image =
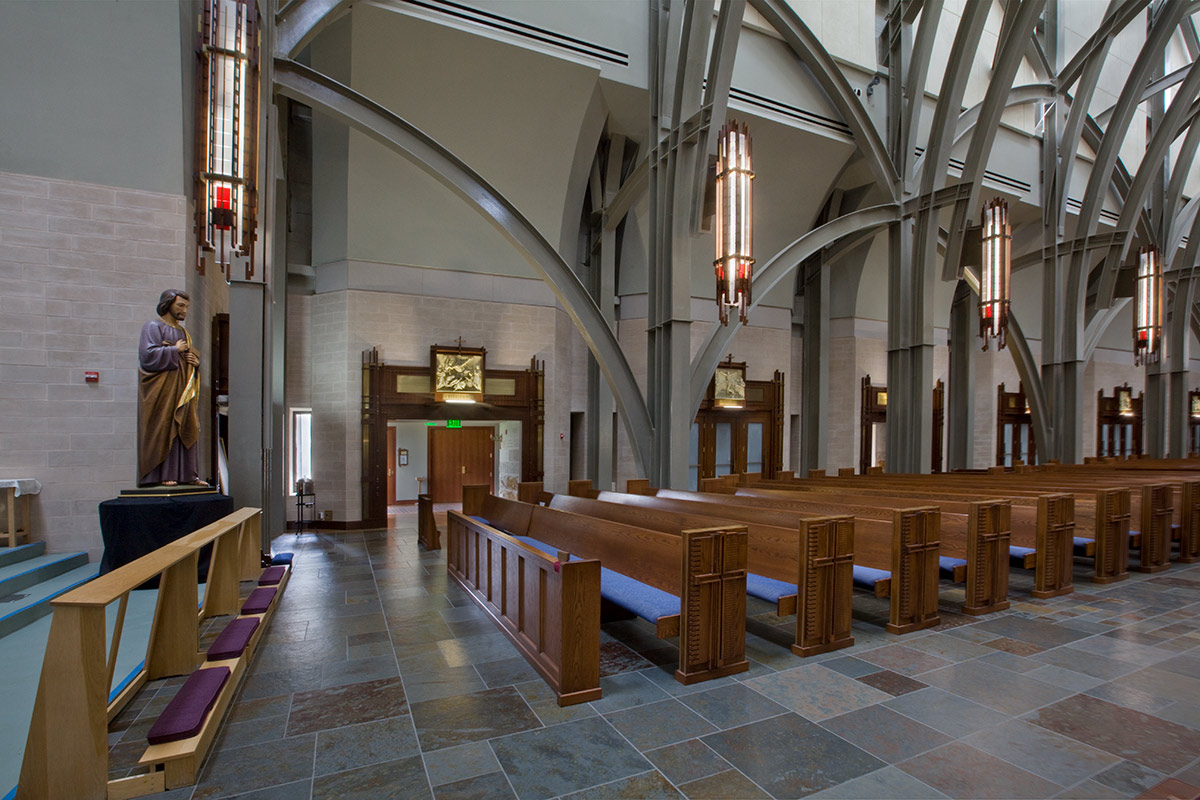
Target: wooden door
{"points": [[391, 467], [458, 457]]}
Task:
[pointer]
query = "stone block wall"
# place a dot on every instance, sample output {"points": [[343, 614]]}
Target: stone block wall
{"points": [[81, 269]]}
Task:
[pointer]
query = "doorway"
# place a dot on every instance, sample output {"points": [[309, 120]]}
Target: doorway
{"points": [[458, 457]]}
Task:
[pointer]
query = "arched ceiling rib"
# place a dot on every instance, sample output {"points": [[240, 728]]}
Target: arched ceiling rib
{"points": [[1182, 112], [827, 73], [1004, 69], [1106, 157], [308, 86], [298, 22]]}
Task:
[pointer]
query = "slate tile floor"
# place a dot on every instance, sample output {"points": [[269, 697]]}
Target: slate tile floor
{"points": [[380, 678]]}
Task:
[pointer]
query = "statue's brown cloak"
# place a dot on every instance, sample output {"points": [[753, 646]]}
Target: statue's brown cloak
{"points": [[168, 408]]}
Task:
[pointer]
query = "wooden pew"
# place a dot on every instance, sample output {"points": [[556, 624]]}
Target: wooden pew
{"points": [[1101, 516], [906, 549], [705, 571], [66, 752], [989, 544], [1182, 474], [549, 608], [1151, 507], [815, 561], [429, 535], [976, 533]]}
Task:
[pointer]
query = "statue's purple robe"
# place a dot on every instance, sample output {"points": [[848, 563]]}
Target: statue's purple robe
{"points": [[168, 417]]}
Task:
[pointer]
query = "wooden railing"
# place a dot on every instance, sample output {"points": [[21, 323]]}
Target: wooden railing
{"points": [[66, 752]]}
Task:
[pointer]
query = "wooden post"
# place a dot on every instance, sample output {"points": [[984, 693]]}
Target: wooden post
{"points": [[1112, 535], [1055, 545], [714, 589], [916, 542], [66, 753], [826, 585], [989, 529], [1157, 512]]}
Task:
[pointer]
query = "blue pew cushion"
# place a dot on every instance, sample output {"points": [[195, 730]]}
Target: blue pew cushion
{"points": [[768, 589], [233, 639], [946, 565], [184, 715], [1017, 555], [1080, 545], [259, 600], [646, 601], [642, 599], [866, 577], [282, 558], [271, 576]]}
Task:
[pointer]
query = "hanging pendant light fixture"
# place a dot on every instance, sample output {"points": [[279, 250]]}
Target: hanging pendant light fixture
{"points": [[734, 248], [227, 135], [1147, 312], [993, 280]]}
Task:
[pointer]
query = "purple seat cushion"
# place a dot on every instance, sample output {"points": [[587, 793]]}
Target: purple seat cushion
{"points": [[233, 639], [271, 576], [184, 715], [259, 600]]}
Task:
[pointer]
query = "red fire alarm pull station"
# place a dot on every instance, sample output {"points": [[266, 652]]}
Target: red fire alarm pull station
{"points": [[91, 377]]}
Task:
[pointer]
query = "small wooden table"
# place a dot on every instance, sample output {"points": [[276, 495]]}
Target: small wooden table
{"points": [[13, 490]]}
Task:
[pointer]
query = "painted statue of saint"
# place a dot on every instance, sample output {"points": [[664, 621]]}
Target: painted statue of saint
{"points": [[168, 397]]}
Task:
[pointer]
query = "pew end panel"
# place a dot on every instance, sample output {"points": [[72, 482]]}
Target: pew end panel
{"points": [[547, 607], [726, 484], [638, 486], [530, 492], [916, 543], [428, 534], [826, 585], [1112, 535], [582, 488], [712, 636], [1157, 512], [1189, 533], [989, 531], [1055, 544]]}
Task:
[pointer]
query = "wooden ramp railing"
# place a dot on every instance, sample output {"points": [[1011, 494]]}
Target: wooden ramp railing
{"points": [[66, 753]]}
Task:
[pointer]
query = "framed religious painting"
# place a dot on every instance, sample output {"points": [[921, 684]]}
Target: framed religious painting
{"points": [[457, 373], [729, 385]]}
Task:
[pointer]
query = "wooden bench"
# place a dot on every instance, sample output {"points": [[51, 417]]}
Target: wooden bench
{"points": [[429, 535], [66, 752], [904, 550], [704, 573], [990, 545], [180, 760], [549, 608], [1101, 516], [974, 537], [1183, 475], [806, 572]]}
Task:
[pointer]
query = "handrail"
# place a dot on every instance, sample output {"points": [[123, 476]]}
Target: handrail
{"points": [[66, 751]]}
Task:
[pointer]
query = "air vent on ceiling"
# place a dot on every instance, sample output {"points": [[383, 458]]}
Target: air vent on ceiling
{"points": [[793, 112], [523, 30]]}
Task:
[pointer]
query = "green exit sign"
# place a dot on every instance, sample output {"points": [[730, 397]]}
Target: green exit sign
{"points": [[454, 423]]}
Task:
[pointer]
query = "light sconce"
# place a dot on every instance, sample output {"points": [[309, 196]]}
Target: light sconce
{"points": [[994, 280], [227, 136], [734, 248], [1147, 312]]}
